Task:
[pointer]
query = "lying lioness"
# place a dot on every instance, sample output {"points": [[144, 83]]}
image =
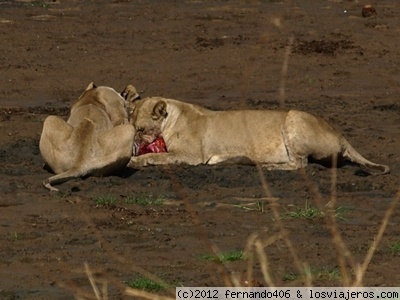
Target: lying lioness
{"points": [[282, 140], [96, 140]]}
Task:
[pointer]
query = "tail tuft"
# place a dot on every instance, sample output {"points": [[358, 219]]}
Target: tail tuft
{"points": [[48, 186]]}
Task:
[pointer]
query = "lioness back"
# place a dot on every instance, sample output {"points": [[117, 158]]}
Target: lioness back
{"points": [[248, 133]]}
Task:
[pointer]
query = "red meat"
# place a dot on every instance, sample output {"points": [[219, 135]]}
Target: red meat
{"points": [[157, 146]]}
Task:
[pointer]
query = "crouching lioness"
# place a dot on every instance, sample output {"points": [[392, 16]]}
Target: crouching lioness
{"points": [[282, 140], [96, 140]]}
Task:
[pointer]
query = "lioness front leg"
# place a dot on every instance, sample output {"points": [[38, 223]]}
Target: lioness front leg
{"points": [[153, 159], [283, 166]]}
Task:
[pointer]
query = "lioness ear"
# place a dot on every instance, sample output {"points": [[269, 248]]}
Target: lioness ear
{"points": [[130, 93], [90, 86], [159, 110]]}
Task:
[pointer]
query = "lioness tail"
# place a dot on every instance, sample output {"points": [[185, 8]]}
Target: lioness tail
{"points": [[353, 155]]}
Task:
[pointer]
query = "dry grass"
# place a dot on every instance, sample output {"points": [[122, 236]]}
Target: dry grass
{"points": [[351, 272]]}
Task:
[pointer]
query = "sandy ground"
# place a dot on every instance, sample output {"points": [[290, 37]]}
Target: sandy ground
{"points": [[223, 55]]}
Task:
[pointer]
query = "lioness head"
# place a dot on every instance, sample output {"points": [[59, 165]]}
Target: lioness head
{"points": [[105, 98], [147, 116]]}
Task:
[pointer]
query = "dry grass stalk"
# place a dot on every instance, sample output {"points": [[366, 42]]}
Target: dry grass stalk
{"points": [[97, 293], [264, 263], [107, 247], [301, 266], [360, 271], [285, 66], [343, 254]]}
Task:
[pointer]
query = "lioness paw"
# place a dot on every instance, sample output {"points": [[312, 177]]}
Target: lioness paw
{"points": [[136, 163]]}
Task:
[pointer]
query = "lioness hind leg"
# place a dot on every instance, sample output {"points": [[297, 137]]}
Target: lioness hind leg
{"points": [[284, 166], [117, 149], [306, 136], [54, 144], [116, 146]]}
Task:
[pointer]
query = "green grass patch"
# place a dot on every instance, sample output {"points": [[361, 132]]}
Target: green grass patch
{"points": [[310, 212], [145, 284], [105, 201], [224, 256], [310, 80], [42, 4], [324, 273], [290, 277], [14, 236], [395, 248], [145, 200]]}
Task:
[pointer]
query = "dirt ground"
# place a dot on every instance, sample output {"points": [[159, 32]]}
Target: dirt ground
{"points": [[223, 55]]}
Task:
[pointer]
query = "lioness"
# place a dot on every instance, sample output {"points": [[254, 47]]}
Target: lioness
{"points": [[282, 140], [96, 140]]}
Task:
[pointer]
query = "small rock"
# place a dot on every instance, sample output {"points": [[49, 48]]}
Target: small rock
{"points": [[368, 11]]}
